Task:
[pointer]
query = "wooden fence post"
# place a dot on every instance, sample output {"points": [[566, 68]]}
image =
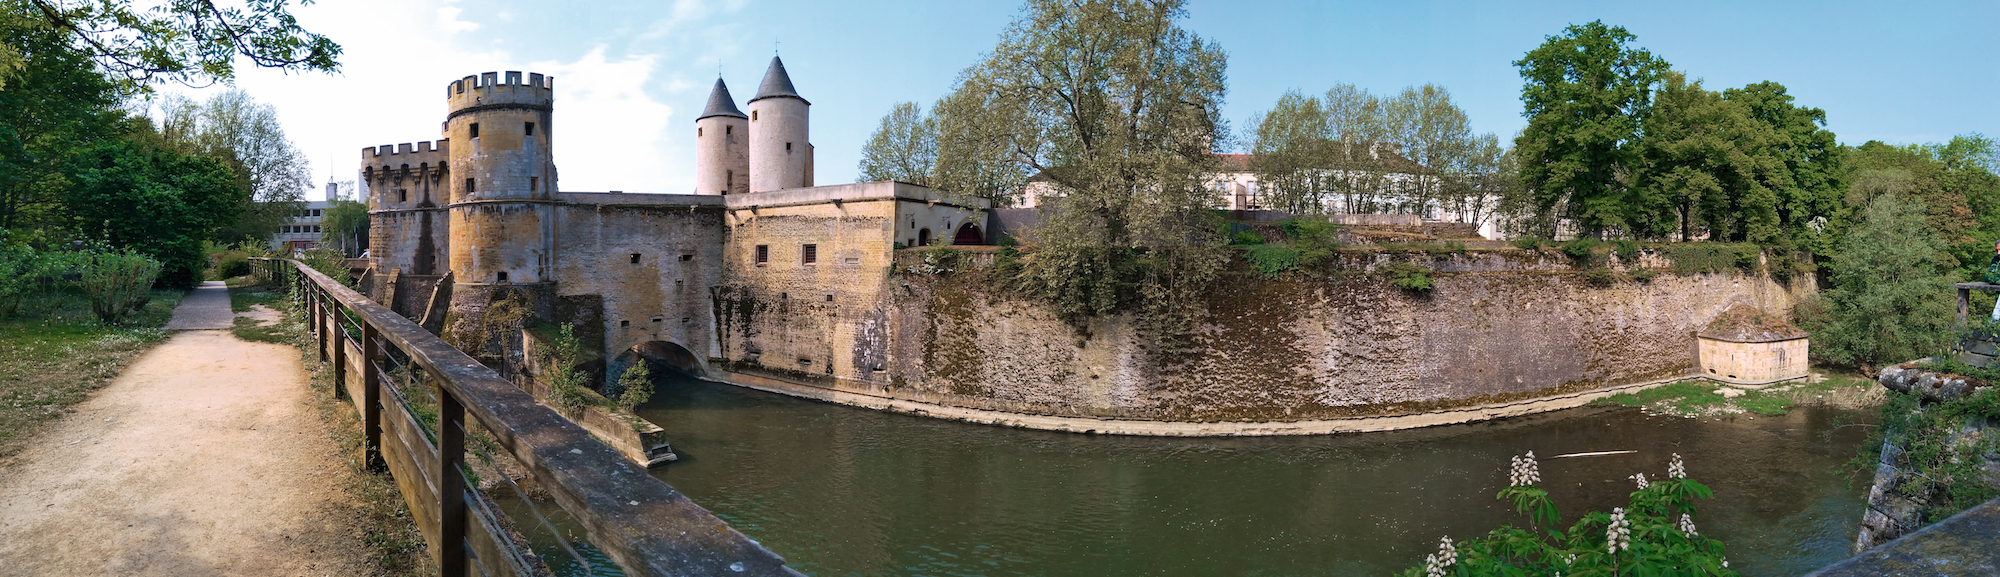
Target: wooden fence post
{"points": [[338, 336], [1964, 306], [371, 397], [451, 484]]}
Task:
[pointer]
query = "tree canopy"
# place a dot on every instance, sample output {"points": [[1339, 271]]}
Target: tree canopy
{"points": [[903, 148], [1586, 96], [192, 42], [1118, 108]]}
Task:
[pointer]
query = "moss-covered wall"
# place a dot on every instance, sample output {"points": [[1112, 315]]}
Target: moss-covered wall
{"points": [[1513, 325]]}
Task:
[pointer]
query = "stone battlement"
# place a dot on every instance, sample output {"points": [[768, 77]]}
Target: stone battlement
{"points": [[490, 88], [440, 146]]}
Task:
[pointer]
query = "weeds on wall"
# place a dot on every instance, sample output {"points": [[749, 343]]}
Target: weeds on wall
{"points": [[557, 360], [1411, 278], [1654, 534], [1307, 244], [1941, 450], [635, 386]]}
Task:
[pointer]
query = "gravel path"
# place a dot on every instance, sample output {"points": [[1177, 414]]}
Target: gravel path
{"points": [[207, 307], [206, 457]]}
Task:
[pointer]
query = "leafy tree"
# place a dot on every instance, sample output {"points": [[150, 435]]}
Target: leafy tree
{"points": [[1585, 96], [1814, 166], [1119, 108], [1718, 168], [159, 202], [193, 42], [635, 386], [272, 175], [1890, 300], [1292, 150], [345, 222], [58, 106], [904, 148]]}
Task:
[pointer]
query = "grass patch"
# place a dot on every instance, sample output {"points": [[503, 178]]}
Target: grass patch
{"points": [[247, 329], [1702, 397], [242, 298], [54, 352]]}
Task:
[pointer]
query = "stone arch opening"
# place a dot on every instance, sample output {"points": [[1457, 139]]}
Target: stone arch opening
{"points": [[924, 237], [665, 355], [968, 235]]}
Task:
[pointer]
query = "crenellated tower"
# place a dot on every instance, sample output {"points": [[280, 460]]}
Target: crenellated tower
{"points": [[503, 179], [780, 131], [722, 145]]}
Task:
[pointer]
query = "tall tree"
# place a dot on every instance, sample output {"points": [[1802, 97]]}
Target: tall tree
{"points": [[1586, 92], [1709, 166], [1119, 107], [1813, 163], [158, 201], [271, 173], [58, 106], [904, 147], [1891, 278], [194, 42], [1290, 151]]}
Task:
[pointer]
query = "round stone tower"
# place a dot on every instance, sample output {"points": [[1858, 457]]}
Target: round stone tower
{"points": [[503, 180], [722, 146], [780, 152]]}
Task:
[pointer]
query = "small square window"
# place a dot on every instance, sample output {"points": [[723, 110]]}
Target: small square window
{"points": [[763, 253], [829, 297], [788, 147], [625, 323], [809, 254], [501, 276], [657, 319], [534, 184], [530, 129], [635, 258], [468, 185], [687, 257]]}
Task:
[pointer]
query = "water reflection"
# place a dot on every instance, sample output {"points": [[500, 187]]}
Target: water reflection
{"points": [[843, 491]]}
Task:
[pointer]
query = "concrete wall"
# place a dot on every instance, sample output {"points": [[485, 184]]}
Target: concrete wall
{"points": [[1753, 363]]}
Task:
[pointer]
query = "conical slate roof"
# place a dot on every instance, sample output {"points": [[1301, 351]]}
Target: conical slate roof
{"points": [[776, 83], [720, 103]]}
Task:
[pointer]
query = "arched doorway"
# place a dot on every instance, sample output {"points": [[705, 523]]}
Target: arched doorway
{"points": [[924, 237], [968, 235], [665, 360]]}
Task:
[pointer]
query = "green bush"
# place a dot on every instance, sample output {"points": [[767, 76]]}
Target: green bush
{"points": [[1600, 277], [1530, 243], [557, 362], [1410, 277], [1654, 534], [635, 385], [1644, 275], [1579, 248], [118, 283], [1891, 298], [1690, 258], [231, 264], [1246, 238], [18, 265], [1273, 259], [1626, 249]]}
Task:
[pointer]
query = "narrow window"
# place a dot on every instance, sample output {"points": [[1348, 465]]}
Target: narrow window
{"points": [[753, 116], [468, 186], [728, 130], [475, 130], [810, 254], [635, 258], [530, 130], [687, 257], [625, 323], [402, 195], [534, 182], [729, 181], [657, 319], [788, 147], [763, 253], [501, 276], [697, 132]]}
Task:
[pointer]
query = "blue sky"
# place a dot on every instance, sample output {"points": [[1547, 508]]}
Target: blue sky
{"points": [[632, 76]]}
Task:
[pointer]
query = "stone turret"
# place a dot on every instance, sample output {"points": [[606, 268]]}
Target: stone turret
{"points": [[722, 145], [780, 145], [503, 178]]}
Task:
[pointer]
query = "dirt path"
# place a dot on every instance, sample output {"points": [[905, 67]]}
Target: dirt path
{"points": [[204, 458]]}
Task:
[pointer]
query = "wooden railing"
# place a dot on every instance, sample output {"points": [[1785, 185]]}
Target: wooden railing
{"points": [[643, 525], [1965, 297]]}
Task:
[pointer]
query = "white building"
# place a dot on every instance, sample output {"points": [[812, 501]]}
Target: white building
{"points": [[302, 232]]}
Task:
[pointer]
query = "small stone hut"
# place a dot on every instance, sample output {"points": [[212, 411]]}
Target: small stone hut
{"points": [[1747, 346]]}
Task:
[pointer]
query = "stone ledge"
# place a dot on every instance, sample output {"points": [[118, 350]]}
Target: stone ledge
{"points": [[1960, 545]]}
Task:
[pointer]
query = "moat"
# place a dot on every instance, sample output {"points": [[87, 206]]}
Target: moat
{"points": [[844, 491]]}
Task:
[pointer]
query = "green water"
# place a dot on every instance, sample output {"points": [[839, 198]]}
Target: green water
{"points": [[844, 491]]}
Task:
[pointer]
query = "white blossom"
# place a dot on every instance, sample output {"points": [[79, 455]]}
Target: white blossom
{"points": [[1524, 472], [1687, 525], [1435, 563], [1618, 536], [1642, 480], [1676, 468]]}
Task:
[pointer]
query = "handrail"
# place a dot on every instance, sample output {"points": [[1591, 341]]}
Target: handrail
{"points": [[640, 522], [1965, 297]]}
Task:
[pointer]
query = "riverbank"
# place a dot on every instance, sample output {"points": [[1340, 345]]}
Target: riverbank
{"points": [[1698, 397], [856, 397], [54, 353]]}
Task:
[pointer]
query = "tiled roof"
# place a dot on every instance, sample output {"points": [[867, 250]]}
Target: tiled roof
{"points": [[720, 103]]}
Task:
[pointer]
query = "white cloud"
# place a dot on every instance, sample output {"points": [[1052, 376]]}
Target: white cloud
{"points": [[449, 22], [609, 132]]}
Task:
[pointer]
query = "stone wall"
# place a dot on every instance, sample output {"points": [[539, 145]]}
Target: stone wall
{"points": [[651, 260], [1516, 325]]}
